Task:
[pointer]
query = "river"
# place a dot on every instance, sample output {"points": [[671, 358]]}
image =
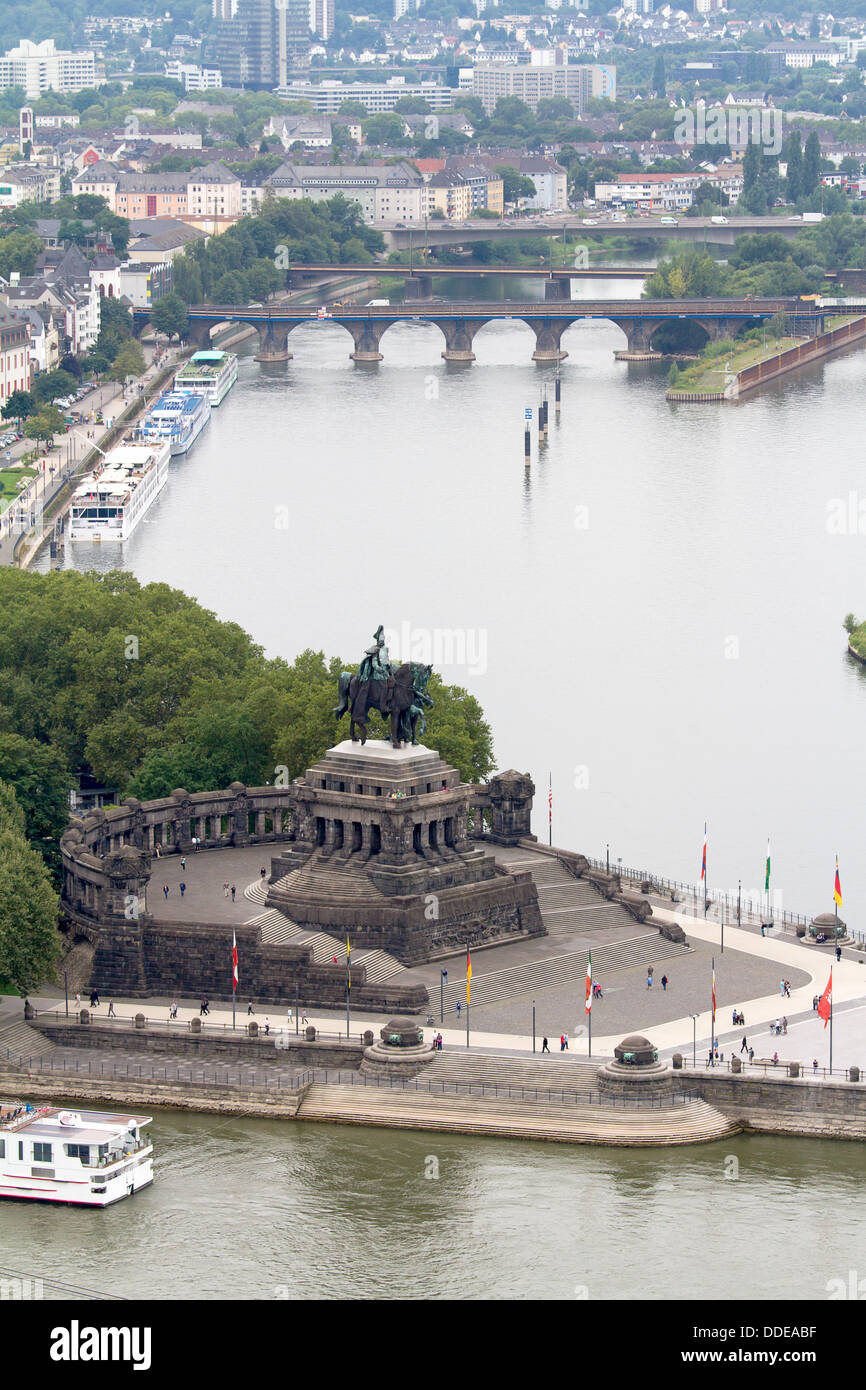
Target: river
{"points": [[254, 1209], [651, 616]]}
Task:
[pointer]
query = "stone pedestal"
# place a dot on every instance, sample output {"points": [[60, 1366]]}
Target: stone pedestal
{"points": [[636, 1074], [382, 854]]}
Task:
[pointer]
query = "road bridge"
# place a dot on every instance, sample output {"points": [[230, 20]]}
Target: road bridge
{"points": [[419, 278], [459, 322], [398, 236]]}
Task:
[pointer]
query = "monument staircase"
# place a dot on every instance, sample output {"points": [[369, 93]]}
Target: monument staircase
{"points": [[18, 1042], [277, 929]]}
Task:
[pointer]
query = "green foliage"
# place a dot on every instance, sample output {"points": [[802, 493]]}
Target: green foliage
{"points": [[41, 782], [19, 405], [128, 362], [199, 707], [115, 330], [47, 386], [45, 425], [850, 623], [169, 315], [241, 264], [514, 185], [29, 940], [18, 251]]}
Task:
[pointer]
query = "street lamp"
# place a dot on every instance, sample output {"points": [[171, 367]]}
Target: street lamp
{"points": [[694, 1019], [442, 983], [533, 1025], [619, 868], [607, 856]]}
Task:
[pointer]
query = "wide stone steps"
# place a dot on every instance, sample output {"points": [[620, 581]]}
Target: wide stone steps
{"points": [[378, 965], [23, 1042], [278, 930], [692, 1123], [550, 1073], [340, 884], [553, 971], [257, 891]]}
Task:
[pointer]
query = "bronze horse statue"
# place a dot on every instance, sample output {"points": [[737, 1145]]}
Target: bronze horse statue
{"points": [[401, 699]]}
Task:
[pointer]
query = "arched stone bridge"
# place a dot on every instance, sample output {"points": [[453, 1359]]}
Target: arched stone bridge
{"points": [[639, 319]]}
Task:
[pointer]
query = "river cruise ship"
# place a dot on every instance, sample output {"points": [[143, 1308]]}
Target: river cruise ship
{"points": [[85, 1158], [108, 503], [213, 373], [179, 417]]}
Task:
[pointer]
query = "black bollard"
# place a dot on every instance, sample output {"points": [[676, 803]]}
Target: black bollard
{"points": [[558, 392]]}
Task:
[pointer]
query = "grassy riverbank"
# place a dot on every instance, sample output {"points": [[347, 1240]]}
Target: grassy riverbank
{"points": [[720, 361]]}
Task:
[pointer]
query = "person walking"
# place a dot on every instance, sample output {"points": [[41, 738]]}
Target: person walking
{"points": [[649, 980], [226, 889], [838, 953], [94, 999], [544, 1046], [787, 989], [250, 1009], [182, 889], [744, 1046], [565, 1042], [815, 1066], [165, 890], [111, 1013], [665, 983], [784, 1025], [267, 1026], [183, 863], [458, 1008], [751, 1054], [233, 892], [263, 871], [562, 1042], [205, 1007], [289, 1016], [781, 989], [304, 1019], [78, 1001]]}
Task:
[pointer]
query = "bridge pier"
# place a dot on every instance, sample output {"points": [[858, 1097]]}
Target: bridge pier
{"points": [[365, 335], [198, 333], [273, 343], [548, 335], [418, 286], [558, 289], [638, 333], [458, 339]]}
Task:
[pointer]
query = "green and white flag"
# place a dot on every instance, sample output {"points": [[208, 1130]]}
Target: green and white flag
{"points": [[767, 877]]}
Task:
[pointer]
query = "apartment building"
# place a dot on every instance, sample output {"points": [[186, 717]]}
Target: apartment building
{"points": [[385, 193]]}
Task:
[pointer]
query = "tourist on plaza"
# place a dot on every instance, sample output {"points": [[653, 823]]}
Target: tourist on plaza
{"points": [[781, 988], [289, 1015], [165, 890], [751, 1054], [735, 1017], [710, 1058], [205, 1007], [544, 1046], [226, 889], [458, 1008], [157, 851], [775, 1059], [263, 871], [183, 863], [562, 1042], [815, 1002], [838, 952], [664, 983], [784, 1025], [649, 980], [233, 892], [304, 1018], [111, 1013], [94, 999], [565, 1042], [172, 1013], [815, 1066], [78, 1001], [182, 889], [267, 1026], [251, 1010], [744, 1046]]}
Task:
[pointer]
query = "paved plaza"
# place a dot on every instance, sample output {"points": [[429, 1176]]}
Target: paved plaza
{"points": [[748, 973]]}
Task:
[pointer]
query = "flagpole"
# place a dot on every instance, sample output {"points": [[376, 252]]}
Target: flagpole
{"points": [[550, 808], [348, 988], [234, 974], [468, 978], [713, 1019]]}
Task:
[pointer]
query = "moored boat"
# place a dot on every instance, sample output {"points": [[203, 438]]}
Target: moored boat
{"points": [[84, 1158], [213, 373], [179, 417], [109, 503]]}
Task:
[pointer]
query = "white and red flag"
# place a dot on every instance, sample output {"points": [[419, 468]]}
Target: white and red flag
{"points": [[234, 963]]}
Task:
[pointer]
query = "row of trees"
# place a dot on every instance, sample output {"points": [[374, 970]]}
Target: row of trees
{"points": [[250, 260], [191, 701]]}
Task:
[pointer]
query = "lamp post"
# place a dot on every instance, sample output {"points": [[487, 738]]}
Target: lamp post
{"points": [[739, 891], [533, 1025], [443, 980], [694, 1019], [66, 991], [607, 856], [619, 869]]}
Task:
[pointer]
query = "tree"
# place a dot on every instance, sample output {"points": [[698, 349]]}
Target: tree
{"points": [[29, 939], [659, 82], [514, 185], [43, 426], [811, 164], [19, 251], [47, 386], [41, 782], [850, 623], [793, 155], [19, 405], [751, 167], [128, 362], [353, 108], [384, 129]]}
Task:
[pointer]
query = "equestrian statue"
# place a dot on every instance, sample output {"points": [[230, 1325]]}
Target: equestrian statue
{"points": [[398, 695]]}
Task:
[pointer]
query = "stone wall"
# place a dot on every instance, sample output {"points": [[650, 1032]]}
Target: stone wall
{"points": [[177, 1041], [777, 1103]]}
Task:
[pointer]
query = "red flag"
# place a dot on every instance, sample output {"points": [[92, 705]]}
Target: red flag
{"points": [[825, 1003], [234, 963]]}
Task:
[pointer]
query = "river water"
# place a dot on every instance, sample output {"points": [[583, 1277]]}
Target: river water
{"points": [[254, 1209], [651, 616]]}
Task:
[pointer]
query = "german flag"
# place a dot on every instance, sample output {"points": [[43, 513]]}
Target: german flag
{"points": [[837, 886], [468, 974]]}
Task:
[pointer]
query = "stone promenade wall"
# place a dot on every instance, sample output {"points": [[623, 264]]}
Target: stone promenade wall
{"points": [[779, 1104], [177, 1041]]}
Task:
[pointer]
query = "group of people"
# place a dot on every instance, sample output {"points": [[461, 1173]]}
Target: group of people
{"points": [[785, 989], [229, 888], [779, 1026], [739, 1020], [437, 1043]]}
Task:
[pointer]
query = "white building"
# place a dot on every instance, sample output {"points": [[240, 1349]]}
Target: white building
{"points": [[805, 55], [540, 79], [194, 78], [329, 95], [40, 68], [313, 132], [385, 193]]}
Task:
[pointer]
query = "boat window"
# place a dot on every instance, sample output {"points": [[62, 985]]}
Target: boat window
{"points": [[81, 1151], [42, 1153]]}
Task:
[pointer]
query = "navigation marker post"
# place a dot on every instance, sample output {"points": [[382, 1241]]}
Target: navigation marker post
{"points": [[557, 394], [527, 439]]}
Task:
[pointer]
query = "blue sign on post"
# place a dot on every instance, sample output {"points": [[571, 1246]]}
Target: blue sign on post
{"points": [[527, 412]]}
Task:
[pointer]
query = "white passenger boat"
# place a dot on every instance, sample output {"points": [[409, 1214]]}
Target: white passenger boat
{"points": [[109, 503], [179, 417], [86, 1158], [213, 373]]}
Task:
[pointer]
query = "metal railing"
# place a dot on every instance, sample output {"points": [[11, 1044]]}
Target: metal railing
{"points": [[752, 908], [767, 1067]]}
